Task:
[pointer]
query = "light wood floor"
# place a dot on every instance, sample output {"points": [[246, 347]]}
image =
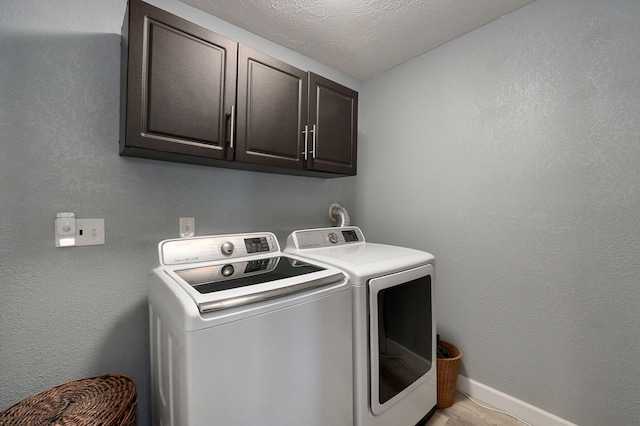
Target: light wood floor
{"points": [[464, 412]]}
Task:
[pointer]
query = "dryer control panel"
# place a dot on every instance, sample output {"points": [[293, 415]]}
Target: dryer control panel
{"points": [[325, 237]]}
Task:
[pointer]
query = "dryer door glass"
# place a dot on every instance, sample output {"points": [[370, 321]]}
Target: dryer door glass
{"points": [[401, 338]]}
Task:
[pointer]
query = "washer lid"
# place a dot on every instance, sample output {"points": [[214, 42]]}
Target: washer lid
{"points": [[220, 277], [215, 286]]}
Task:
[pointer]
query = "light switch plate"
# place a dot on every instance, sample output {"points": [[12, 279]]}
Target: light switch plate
{"points": [[89, 232]]}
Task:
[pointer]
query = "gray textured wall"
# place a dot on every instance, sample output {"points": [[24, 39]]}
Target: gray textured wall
{"points": [[513, 153], [67, 313]]}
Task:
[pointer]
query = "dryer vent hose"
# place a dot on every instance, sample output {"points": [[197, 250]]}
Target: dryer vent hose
{"points": [[339, 214]]}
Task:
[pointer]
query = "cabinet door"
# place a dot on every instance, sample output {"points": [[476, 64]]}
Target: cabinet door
{"points": [[180, 86], [272, 111], [333, 119]]}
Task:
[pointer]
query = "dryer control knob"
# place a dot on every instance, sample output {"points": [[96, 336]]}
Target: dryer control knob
{"points": [[227, 248], [333, 237], [227, 270]]}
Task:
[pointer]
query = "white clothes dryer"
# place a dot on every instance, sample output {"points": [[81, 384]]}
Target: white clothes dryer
{"points": [[394, 330]]}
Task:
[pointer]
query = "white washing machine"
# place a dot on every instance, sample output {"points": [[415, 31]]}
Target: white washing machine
{"points": [[394, 346], [243, 335]]}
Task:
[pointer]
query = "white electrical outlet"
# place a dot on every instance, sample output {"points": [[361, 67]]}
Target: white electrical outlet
{"points": [[89, 232], [187, 226]]}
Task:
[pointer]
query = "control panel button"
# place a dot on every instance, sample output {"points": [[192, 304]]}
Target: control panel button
{"points": [[333, 237], [227, 270], [226, 248]]}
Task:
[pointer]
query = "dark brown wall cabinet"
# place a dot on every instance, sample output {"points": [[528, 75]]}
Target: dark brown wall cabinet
{"points": [[193, 96], [333, 121], [179, 85], [272, 111]]}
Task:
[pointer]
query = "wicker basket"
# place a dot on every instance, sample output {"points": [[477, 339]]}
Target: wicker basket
{"points": [[108, 400], [448, 375]]}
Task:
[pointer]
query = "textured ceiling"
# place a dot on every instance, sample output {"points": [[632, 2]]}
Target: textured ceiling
{"points": [[361, 38]]}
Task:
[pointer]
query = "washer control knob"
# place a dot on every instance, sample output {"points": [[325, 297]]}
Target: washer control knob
{"points": [[227, 270], [227, 248], [333, 237]]}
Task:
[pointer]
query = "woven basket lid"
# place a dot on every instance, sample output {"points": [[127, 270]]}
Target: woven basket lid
{"points": [[106, 400]]}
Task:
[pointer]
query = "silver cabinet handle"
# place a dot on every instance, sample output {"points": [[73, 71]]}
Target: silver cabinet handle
{"points": [[233, 125], [313, 142], [306, 141]]}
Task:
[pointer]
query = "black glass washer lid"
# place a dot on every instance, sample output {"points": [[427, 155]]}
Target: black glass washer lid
{"points": [[209, 279]]}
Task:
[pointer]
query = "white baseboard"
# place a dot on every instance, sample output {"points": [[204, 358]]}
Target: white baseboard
{"points": [[509, 404]]}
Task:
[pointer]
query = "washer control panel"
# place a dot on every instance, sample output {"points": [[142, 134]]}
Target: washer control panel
{"points": [[216, 247], [325, 237]]}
